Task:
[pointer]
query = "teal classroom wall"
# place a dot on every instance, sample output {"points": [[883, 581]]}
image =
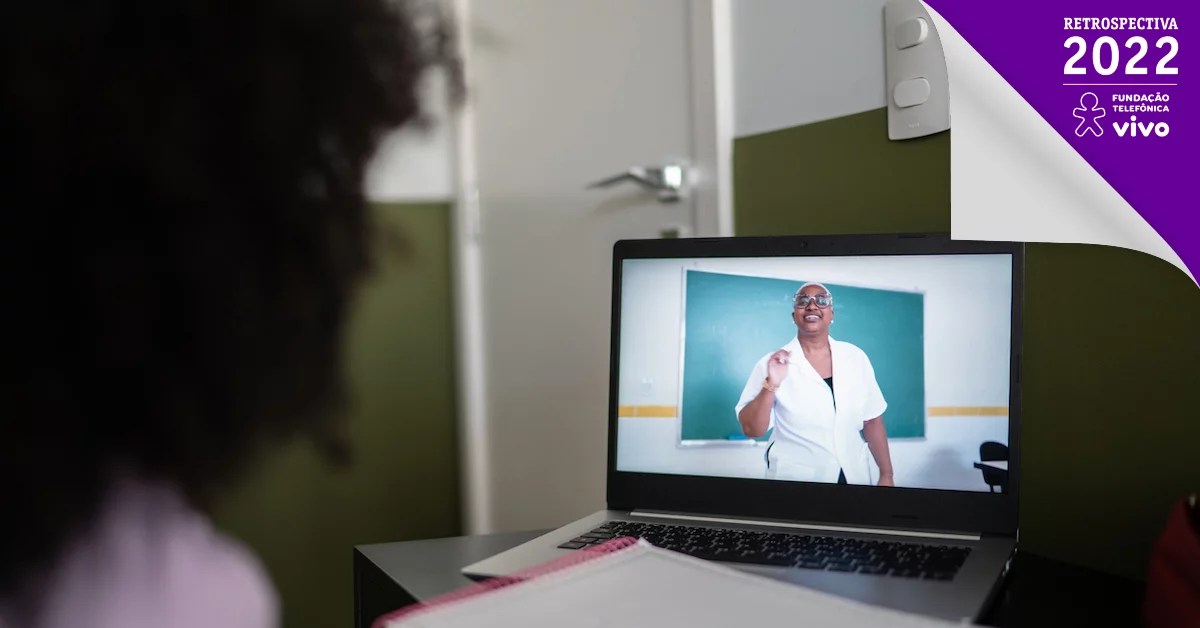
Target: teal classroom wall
{"points": [[732, 321], [1110, 382]]}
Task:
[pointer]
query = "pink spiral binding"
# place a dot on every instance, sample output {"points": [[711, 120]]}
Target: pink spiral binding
{"points": [[566, 562]]}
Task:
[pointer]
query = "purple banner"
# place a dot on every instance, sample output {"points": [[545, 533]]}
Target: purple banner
{"points": [[1116, 80]]}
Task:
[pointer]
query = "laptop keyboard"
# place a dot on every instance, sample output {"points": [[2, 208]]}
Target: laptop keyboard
{"points": [[801, 551]]}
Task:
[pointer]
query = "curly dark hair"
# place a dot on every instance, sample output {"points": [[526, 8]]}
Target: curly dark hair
{"points": [[184, 225]]}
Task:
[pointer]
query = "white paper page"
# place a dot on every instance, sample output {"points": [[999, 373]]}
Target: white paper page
{"points": [[645, 586]]}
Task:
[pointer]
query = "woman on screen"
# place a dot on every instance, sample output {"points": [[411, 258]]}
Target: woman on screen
{"points": [[821, 418]]}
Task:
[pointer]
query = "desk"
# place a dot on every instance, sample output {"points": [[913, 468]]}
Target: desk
{"points": [[1038, 591], [995, 473]]}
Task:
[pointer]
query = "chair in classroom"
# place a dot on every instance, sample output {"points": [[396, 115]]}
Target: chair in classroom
{"points": [[989, 452]]}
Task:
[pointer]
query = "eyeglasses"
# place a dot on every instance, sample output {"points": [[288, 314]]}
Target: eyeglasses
{"points": [[822, 300]]}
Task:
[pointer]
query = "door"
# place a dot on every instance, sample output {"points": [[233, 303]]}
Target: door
{"points": [[564, 93]]}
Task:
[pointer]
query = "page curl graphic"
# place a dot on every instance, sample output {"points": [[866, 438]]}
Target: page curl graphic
{"points": [[1013, 177]]}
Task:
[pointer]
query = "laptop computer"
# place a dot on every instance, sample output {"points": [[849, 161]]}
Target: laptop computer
{"points": [[780, 470]]}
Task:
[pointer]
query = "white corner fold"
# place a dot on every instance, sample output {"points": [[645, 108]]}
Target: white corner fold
{"points": [[1013, 177]]}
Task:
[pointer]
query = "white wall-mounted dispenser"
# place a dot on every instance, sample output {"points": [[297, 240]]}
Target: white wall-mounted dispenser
{"points": [[918, 91]]}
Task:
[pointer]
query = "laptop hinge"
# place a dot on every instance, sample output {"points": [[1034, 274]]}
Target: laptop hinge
{"points": [[806, 526]]}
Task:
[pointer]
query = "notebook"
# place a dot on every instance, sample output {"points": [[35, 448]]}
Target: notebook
{"points": [[631, 584]]}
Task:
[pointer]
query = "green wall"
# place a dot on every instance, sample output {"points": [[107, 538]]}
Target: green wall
{"points": [[1112, 337], [304, 518], [838, 175]]}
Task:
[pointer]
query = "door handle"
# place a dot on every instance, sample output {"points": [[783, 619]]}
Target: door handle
{"points": [[668, 181]]}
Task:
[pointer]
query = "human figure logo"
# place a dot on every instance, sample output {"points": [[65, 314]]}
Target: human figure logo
{"points": [[1089, 113]]}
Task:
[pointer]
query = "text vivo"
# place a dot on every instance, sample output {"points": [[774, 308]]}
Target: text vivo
{"points": [[1144, 129]]}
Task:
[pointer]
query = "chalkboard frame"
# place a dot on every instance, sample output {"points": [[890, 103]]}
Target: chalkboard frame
{"points": [[909, 508]]}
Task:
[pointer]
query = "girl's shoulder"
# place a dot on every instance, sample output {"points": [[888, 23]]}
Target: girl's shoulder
{"points": [[151, 560]]}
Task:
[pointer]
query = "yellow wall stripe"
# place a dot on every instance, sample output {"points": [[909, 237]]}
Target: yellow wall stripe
{"points": [[670, 412], [984, 411], [658, 412]]}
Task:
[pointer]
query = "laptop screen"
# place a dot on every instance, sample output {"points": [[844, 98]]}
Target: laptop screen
{"points": [[818, 369]]}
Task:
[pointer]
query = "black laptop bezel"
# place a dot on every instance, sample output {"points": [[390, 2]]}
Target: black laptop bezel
{"points": [[871, 506]]}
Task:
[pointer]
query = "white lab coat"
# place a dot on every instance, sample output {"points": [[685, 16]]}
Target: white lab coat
{"points": [[813, 440]]}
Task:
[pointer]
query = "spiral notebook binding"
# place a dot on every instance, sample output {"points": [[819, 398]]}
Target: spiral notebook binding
{"points": [[557, 565]]}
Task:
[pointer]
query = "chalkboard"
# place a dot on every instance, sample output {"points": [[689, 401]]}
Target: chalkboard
{"points": [[731, 321]]}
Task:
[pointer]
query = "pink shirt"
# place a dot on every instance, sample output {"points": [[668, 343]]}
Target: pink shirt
{"points": [[154, 562]]}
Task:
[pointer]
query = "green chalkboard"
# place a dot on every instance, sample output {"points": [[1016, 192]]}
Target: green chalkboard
{"points": [[731, 321]]}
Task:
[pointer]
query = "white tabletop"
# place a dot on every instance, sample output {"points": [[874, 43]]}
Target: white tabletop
{"points": [[999, 464]]}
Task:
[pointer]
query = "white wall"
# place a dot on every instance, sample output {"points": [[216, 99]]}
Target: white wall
{"points": [[942, 460], [967, 304], [967, 301], [415, 165], [796, 62]]}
